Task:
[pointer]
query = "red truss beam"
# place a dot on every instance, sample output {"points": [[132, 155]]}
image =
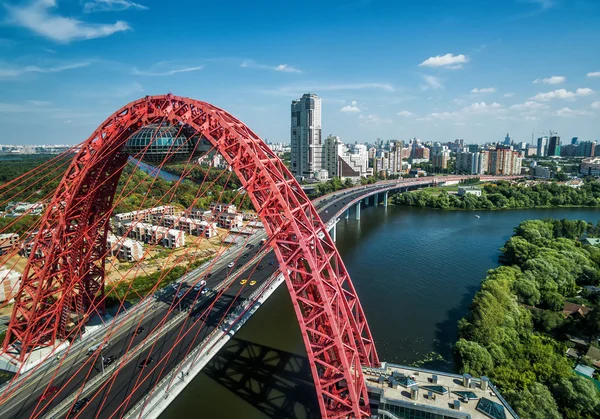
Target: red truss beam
{"points": [[65, 272]]}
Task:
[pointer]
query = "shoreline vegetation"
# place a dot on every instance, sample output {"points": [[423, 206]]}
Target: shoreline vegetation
{"points": [[519, 326], [504, 195]]}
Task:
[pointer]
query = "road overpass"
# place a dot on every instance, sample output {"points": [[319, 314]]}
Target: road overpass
{"points": [[121, 394]]}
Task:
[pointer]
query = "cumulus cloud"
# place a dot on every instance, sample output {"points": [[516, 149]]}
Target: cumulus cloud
{"points": [[594, 74], [482, 107], [484, 90], [284, 68], [447, 61], [8, 72], [596, 105], [528, 106], [353, 107], [40, 18], [432, 82], [511, 94], [111, 6], [406, 114], [551, 80], [567, 112], [373, 119], [562, 94]]}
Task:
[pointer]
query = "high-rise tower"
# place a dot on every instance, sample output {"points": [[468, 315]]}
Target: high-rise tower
{"points": [[307, 148]]}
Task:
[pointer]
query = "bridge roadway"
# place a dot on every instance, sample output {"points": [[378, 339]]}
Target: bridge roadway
{"points": [[107, 403]]}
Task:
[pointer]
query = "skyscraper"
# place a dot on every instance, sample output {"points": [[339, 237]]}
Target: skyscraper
{"points": [[307, 148], [542, 148], [554, 146], [507, 139]]}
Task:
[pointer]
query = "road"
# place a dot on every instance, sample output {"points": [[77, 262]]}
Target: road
{"points": [[108, 401]]}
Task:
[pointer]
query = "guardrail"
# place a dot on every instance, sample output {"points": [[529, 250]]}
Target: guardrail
{"points": [[165, 391]]}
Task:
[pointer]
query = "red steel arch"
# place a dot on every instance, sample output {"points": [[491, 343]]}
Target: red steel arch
{"points": [[65, 271]]}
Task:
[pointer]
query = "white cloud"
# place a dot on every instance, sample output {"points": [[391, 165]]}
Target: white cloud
{"points": [[137, 72], [353, 107], [567, 112], [38, 18], [562, 94], [373, 119], [433, 82], [111, 6], [460, 123], [287, 69], [6, 72], [482, 107], [284, 68], [448, 61], [528, 106], [596, 105], [511, 94], [594, 74], [406, 114], [484, 90], [294, 90], [442, 115], [551, 80]]}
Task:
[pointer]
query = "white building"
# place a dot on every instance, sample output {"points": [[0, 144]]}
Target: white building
{"points": [[590, 166], [10, 281], [469, 190], [8, 241], [306, 145], [152, 234], [124, 249], [344, 161], [16, 209], [472, 163], [146, 215]]}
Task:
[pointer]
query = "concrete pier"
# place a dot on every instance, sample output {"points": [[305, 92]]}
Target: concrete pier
{"points": [[385, 199], [357, 215]]}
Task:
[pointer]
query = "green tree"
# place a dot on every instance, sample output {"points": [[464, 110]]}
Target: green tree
{"points": [[577, 397], [534, 402], [475, 358]]}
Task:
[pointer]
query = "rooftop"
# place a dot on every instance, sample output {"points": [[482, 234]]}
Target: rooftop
{"points": [[438, 391]]}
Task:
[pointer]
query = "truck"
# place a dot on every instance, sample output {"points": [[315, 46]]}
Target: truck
{"points": [[263, 241]]}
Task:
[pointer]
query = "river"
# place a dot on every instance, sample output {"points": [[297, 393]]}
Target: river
{"points": [[416, 271]]}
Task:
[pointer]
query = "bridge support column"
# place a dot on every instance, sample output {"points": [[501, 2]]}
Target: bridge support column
{"points": [[333, 232], [366, 201], [376, 199], [385, 199], [357, 216], [347, 213]]}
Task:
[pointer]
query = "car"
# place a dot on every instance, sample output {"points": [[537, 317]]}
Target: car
{"points": [[253, 282], [145, 362], [246, 255], [109, 360], [271, 263], [99, 346], [243, 281], [204, 291], [208, 275], [80, 404], [138, 331], [231, 265], [50, 391], [259, 267], [180, 294], [248, 245]]}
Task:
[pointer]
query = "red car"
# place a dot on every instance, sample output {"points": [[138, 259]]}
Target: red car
{"points": [[50, 391]]}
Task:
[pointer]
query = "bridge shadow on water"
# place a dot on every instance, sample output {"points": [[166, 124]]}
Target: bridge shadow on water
{"points": [[278, 383]]}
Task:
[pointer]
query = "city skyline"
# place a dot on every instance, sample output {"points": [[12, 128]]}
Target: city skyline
{"points": [[393, 70]]}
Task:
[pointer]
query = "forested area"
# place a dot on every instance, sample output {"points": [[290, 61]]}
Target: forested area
{"points": [[503, 195], [516, 333]]}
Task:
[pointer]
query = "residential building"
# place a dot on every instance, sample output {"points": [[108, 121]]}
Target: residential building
{"points": [[469, 190], [16, 209], [504, 162], [10, 280], [554, 146], [542, 147], [153, 234], [191, 226], [8, 241], [397, 391], [541, 172], [440, 159], [220, 207], [586, 148], [124, 249], [344, 161], [228, 220], [145, 215], [590, 166], [306, 146]]}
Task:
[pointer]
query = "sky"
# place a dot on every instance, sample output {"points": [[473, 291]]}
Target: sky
{"points": [[432, 69]]}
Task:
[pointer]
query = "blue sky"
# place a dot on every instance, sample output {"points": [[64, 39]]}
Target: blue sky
{"points": [[434, 69]]}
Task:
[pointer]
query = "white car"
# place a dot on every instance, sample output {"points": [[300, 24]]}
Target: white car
{"points": [[231, 265]]}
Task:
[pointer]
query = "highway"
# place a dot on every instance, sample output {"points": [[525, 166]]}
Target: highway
{"points": [[107, 402]]}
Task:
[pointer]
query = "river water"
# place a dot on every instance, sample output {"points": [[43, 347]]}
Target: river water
{"points": [[416, 271]]}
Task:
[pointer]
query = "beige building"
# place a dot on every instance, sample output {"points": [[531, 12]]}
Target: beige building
{"points": [[125, 249], [10, 280]]}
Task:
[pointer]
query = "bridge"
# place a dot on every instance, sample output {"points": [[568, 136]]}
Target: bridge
{"points": [[63, 370]]}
